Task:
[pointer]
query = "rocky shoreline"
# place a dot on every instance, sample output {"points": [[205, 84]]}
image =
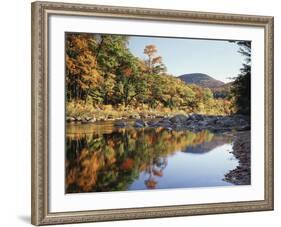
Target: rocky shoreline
{"points": [[193, 122], [241, 175]]}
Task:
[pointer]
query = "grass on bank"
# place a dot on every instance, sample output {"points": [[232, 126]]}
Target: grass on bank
{"points": [[81, 109]]}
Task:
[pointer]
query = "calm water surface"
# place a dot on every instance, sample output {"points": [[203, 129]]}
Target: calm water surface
{"points": [[100, 158]]}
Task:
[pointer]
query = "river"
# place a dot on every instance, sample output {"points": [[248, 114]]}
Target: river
{"points": [[101, 158]]}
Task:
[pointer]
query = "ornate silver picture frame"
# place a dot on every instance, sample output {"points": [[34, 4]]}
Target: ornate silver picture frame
{"points": [[41, 68]]}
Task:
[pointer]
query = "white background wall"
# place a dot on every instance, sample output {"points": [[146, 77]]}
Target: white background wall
{"points": [[15, 111]]}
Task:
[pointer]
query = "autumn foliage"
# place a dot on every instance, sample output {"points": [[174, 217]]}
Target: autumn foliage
{"points": [[101, 71]]}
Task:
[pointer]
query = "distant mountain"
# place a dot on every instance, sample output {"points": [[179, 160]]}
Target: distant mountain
{"points": [[201, 79], [217, 140]]}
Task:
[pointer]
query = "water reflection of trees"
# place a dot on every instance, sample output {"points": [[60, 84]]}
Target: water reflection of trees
{"points": [[112, 161]]}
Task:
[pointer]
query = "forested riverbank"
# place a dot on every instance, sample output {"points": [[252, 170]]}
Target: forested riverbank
{"points": [[104, 80]]}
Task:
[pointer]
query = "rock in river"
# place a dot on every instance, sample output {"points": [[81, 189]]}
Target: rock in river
{"points": [[140, 123], [196, 117]]}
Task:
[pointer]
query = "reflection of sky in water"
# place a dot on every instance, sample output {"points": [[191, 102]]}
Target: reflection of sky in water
{"points": [[193, 170]]}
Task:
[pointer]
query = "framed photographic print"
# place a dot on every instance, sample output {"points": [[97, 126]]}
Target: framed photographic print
{"points": [[145, 113]]}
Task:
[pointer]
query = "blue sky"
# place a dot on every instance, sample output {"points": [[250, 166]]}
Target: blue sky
{"points": [[216, 58]]}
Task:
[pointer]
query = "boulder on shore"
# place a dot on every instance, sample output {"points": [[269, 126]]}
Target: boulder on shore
{"points": [[70, 119], [78, 119], [196, 117], [178, 118]]}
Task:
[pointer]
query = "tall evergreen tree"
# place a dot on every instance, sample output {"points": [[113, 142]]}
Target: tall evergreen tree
{"points": [[242, 85]]}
